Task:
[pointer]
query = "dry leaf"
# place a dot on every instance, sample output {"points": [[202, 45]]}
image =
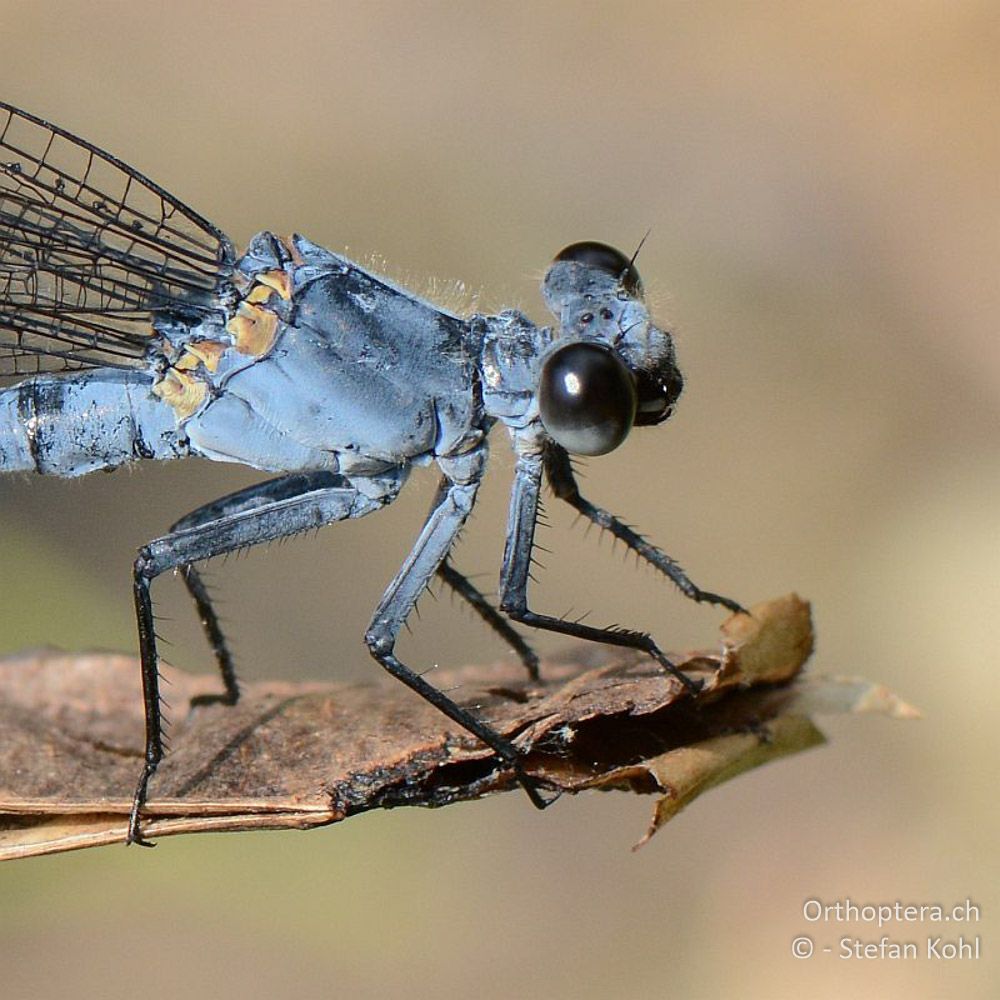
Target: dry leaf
{"points": [[303, 755]]}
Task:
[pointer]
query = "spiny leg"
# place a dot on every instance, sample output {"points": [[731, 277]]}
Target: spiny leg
{"points": [[559, 470], [216, 639], [276, 489], [251, 498], [429, 551], [517, 563], [251, 525], [465, 589]]}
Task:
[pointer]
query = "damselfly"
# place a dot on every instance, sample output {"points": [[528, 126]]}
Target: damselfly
{"points": [[130, 328]]}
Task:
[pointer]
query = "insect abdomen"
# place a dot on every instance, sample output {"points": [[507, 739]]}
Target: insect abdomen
{"points": [[69, 425]]}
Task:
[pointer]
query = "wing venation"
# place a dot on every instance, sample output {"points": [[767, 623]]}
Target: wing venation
{"points": [[90, 250]]}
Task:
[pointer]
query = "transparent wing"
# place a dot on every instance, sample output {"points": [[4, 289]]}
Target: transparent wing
{"points": [[89, 249]]}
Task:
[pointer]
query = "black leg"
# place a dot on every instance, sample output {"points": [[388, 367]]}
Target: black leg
{"points": [[251, 498], [257, 520], [453, 505], [560, 474], [213, 632], [489, 614], [466, 589], [517, 564]]}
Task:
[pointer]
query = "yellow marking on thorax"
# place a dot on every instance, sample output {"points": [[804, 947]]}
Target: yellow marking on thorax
{"points": [[184, 392], [181, 386], [255, 327], [208, 352], [279, 280]]}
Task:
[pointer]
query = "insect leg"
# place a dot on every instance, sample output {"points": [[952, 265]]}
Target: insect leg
{"points": [[265, 522], [471, 594], [252, 498], [216, 639], [435, 539], [516, 568], [465, 589], [563, 482]]}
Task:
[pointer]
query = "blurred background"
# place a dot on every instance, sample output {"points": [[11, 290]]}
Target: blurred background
{"points": [[821, 186]]}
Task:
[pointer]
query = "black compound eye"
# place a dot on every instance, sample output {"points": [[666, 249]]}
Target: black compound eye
{"points": [[657, 397], [605, 258], [587, 399]]}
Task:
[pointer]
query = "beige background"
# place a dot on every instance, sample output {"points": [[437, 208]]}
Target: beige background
{"points": [[821, 185]]}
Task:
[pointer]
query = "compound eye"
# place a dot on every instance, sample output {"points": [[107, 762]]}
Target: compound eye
{"points": [[604, 258], [657, 397], [587, 399]]}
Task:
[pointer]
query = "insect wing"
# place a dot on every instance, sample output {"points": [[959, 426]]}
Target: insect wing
{"points": [[89, 249]]}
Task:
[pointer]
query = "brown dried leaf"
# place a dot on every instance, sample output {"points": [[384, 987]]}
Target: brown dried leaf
{"points": [[304, 755]]}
